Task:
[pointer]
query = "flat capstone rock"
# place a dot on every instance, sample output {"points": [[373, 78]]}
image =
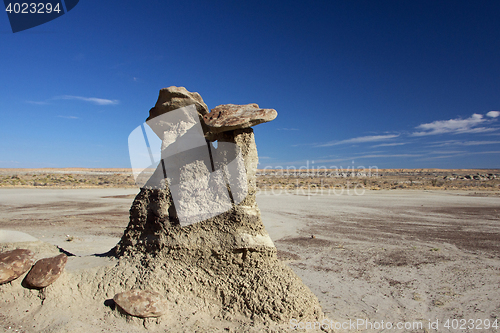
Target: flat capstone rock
{"points": [[14, 263], [46, 271], [230, 117], [173, 98], [141, 303]]}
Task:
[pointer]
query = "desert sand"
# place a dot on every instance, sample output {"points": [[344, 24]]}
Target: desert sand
{"points": [[398, 256]]}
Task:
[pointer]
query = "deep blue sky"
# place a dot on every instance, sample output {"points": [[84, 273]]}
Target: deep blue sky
{"points": [[393, 84]]}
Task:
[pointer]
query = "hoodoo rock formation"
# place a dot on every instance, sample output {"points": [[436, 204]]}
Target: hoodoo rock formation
{"points": [[195, 255], [228, 259]]}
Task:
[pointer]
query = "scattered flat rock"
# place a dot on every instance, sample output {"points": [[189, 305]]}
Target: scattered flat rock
{"points": [[229, 117], [46, 271], [141, 303], [14, 263]]}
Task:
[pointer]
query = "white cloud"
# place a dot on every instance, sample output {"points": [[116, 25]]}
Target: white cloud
{"points": [[98, 101], [94, 100], [493, 114], [443, 152], [390, 144], [389, 155], [38, 102], [463, 143], [68, 117], [454, 126], [477, 143], [484, 152], [430, 158], [361, 139], [353, 158], [450, 154]]}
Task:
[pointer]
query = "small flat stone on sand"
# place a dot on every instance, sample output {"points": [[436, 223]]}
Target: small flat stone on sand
{"points": [[229, 117], [46, 271], [141, 303], [14, 263]]}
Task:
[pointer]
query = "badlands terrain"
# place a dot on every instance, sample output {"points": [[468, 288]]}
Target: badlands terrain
{"points": [[269, 179], [416, 247]]}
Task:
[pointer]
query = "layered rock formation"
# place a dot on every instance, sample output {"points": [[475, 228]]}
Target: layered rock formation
{"points": [[229, 117], [227, 259]]}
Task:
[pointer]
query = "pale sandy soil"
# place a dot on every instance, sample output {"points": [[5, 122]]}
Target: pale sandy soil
{"points": [[397, 256]]}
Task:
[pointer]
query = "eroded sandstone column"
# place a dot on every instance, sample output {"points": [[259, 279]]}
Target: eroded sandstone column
{"points": [[229, 256]]}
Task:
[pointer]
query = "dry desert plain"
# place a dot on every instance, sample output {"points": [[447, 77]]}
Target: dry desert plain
{"points": [[418, 248]]}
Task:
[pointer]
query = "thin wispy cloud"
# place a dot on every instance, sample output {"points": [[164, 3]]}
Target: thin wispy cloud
{"points": [[372, 152], [484, 152], [458, 125], [462, 143], [361, 139], [353, 158], [94, 100], [430, 158], [390, 144], [68, 117], [443, 155], [388, 155], [477, 143], [447, 152], [38, 102]]}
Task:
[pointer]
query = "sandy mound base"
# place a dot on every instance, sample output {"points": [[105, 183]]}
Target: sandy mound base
{"points": [[82, 296]]}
